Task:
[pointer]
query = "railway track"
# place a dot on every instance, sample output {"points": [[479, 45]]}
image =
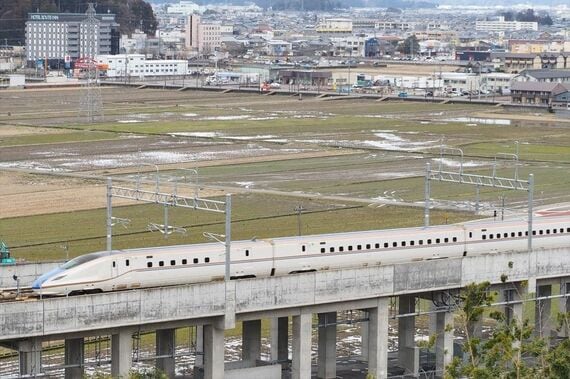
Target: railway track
{"points": [[13, 294]]}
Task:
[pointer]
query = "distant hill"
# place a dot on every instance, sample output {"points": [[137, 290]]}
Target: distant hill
{"points": [[131, 14]]}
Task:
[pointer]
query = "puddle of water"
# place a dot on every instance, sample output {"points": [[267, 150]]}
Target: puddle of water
{"points": [[454, 163], [472, 121]]}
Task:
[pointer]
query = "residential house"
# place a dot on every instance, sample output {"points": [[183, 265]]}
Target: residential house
{"points": [[539, 93]]}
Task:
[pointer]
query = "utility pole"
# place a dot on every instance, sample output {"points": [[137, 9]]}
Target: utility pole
{"points": [[299, 208], [90, 104]]}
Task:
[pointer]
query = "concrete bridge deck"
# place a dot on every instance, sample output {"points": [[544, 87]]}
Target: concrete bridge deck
{"points": [[218, 304]]}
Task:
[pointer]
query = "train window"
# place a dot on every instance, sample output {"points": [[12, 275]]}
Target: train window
{"points": [[247, 251], [526, 233], [403, 243], [385, 244], [303, 248], [512, 234], [149, 264], [161, 263], [421, 242], [377, 246], [195, 260], [149, 257], [184, 261], [429, 241], [350, 248], [114, 264], [541, 232], [173, 263], [395, 244], [498, 235], [568, 230], [470, 234], [127, 262], [561, 230], [341, 248], [446, 240], [506, 235], [412, 243], [359, 247], [454, 239], [491, 236], [367, 246], [484, 237], [437, 240], [520, 234], [323, 250], [554, 231], [207, 259], [323, 243], [332, 249], [547, 231]]}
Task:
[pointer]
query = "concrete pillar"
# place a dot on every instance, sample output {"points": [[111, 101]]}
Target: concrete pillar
{"points": [[364, 332], [213, 352], [327, 345], [378, 340], [475, 328], [251, 341], [199, 346], [280, 339], [30, 355], [564, 306], [121, 353], [74, 357], [514, 311], [408, 353], [301, 365], [542, 313], [443, 342], [199, 361], [165, 350]]}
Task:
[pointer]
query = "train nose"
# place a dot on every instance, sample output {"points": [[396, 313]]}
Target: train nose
{"points": [[37, 284]]}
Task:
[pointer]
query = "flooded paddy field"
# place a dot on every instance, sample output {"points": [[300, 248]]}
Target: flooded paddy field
{"points": [[274, 153]]}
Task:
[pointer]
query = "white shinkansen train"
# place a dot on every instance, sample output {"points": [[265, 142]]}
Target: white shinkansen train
{"points": [[183, 264]]}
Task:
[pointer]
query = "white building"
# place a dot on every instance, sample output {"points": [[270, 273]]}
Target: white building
{"points": [[136, 65], [496, 81], [279, 48], [134, 43], [502, 26], [351, 46], [334, 25], [185, 7]]}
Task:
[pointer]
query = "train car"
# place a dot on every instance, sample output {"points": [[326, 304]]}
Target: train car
{"points": [[184, 264]]}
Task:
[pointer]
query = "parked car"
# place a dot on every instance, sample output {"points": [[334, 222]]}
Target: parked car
{"points": [[403, 94]]}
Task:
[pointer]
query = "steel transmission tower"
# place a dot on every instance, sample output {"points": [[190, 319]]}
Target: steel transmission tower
{"points": [[90, 103]]}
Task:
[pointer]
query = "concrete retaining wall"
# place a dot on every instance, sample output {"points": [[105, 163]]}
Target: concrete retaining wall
{"points": [[27, 272]]}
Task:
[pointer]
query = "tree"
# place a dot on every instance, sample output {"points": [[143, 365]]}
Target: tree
{"points": [[410, 46], [512, 351]]}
